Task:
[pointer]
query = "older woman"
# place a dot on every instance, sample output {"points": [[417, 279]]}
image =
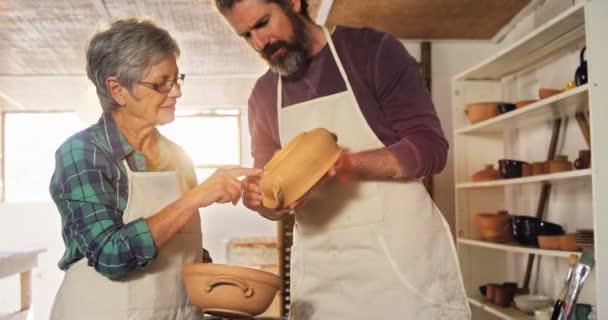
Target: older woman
{"points": [[127, 196]]}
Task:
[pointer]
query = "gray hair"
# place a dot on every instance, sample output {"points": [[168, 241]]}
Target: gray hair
{"points": [[126, 50], [224, 6]]}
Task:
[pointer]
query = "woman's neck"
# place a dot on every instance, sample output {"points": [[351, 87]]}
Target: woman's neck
{"points": [[142, 136]]}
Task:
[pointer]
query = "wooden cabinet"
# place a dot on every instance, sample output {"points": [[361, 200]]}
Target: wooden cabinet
{"points": [[578, 198]]}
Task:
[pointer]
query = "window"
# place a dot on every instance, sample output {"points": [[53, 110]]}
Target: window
{"points": [[212, 140], [30, 141]]}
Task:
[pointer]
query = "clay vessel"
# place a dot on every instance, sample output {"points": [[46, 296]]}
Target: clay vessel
{"points": [[584, 159], [567, 242], [523, 103], [490, 291], [487, 174], [503, 295], [560, 164], [538, 168], [230, 291], [526, 169], [549, 242], [495, 227], [544, 93], [480, 111], [580, 76], [297, 167]]}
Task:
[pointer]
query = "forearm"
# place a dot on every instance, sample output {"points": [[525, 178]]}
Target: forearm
{"points": [[380, 163], [167, 222]]}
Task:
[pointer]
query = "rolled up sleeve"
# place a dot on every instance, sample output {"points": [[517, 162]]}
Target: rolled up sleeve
{"points": [[87, 199], [406, 104]]}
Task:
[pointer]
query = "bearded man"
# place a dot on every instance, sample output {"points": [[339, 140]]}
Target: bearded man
{"points": [[376, 247]]}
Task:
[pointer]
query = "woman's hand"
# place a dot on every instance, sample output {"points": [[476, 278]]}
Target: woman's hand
{"points": [[222, 186]]}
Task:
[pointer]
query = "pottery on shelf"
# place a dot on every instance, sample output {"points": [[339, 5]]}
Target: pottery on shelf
{"points": [[495, 227], [567, 242], [538, 168], [584, 160], [544, 93], [480, 111], [526, 169], [487, 174], [560, 164], [580, 76], [510, 169], [523, 103]]}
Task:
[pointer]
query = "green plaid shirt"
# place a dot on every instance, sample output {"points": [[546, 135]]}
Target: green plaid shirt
{"points": [[90, 188]]}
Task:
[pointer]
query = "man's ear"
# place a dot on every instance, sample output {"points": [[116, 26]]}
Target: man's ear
{"points": [[116, 90], [296, 5]]}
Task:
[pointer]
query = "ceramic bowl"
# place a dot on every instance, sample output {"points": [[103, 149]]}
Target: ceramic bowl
{"points": [[480, 111], [230, 291], [510, 168], [530, 303], [523, 103], [549, 242], [297, 167], [506, 107], [543, 314], [495, 227], [527, 229], [544, 93]]}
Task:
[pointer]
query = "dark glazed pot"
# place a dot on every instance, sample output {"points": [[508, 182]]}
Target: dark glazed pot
{"points": [[580, 76], [527, 229]]}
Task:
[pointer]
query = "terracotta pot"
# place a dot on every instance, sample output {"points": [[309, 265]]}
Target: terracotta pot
{"points": [[560, 164], [480, 111], [584, 159], [495, 227], [538, 168], [544, 93], [297, 167], [503, 295], [526, 169], [549, 242], [487, 174], [230, 291], [523, 103], [546, 167], [567, 242], [490, 291]]}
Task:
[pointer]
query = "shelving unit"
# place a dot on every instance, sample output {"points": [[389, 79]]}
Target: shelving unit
{"points": [[502, 313], [503, 136], [513, 247]]}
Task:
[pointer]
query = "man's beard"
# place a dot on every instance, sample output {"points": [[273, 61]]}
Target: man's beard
{"points": [[294, 60]]}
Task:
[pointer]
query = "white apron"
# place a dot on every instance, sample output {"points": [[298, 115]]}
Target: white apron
{"points": [[156, 292], [367, 249]]}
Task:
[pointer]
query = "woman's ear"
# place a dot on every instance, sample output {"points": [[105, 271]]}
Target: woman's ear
{"points": [[116, 90]]}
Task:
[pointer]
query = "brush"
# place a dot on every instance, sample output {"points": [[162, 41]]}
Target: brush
{"points": [[557, 308], [581, 273]]}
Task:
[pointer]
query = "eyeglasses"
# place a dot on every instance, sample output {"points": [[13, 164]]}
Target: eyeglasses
{"points": [[165, 86]]}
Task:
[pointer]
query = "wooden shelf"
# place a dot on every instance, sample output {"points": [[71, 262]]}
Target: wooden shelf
{"points": [[504, 313], [565, 29], [513, 247], [554, 177], [562, 105]]}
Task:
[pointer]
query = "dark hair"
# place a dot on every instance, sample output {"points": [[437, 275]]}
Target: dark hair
{"points": [[227, 5]]}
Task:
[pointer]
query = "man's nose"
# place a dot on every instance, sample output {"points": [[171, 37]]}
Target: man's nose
{"points": [[260, 40]]}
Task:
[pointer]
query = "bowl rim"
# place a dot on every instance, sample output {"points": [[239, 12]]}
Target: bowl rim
{"points": [[216, 269]]}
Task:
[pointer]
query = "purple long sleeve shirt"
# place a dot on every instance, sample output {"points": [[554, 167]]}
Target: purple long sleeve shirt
{"points": [[388, 88]]}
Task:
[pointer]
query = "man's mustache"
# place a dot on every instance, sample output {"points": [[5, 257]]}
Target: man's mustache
{"points": [[272, 48]]}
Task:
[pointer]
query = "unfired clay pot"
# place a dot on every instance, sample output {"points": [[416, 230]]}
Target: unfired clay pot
{"points": [[480, 111], [230, 291], [560, 164], [495, 227], [538, 168], [487, 174], [297, 167]]}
